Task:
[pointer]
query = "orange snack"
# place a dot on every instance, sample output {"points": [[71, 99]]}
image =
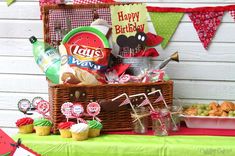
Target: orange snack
{"points": [[213, 105], [227, 106], [224, 114], [191, 111]]}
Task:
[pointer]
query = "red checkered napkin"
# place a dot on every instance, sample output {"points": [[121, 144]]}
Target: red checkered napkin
{"points": [[78, 17]]}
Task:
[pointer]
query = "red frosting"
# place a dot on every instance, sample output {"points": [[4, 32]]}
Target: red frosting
{"points": [[24, 121], [65, 125]]}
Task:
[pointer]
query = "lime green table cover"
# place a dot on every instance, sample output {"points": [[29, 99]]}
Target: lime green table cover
{"points": [[131, 145]]}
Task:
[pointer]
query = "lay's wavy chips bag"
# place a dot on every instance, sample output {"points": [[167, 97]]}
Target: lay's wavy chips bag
{"points": [[83, 64]]}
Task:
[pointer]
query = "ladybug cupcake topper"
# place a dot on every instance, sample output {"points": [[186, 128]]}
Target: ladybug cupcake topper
{"points": [[43, 107], [93, 109], [66, 110], [24, 105], [78, 112], [35, 101]]}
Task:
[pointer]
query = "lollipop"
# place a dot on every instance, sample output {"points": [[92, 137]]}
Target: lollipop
{"points": [[124, 78]]}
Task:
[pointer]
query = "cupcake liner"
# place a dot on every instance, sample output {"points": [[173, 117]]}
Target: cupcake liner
{"points": [[26, 129], [43, 130], [80, 136], [94, 132], [65, 133]]}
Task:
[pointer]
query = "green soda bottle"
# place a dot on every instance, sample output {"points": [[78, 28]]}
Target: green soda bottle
{"points": [[47, 58]]}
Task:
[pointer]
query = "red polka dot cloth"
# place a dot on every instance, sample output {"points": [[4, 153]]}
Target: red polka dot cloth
{"points": [[232, 14], [206, 24]]}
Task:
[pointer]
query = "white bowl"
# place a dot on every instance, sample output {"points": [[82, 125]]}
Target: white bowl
{"points": [[210, 122]]}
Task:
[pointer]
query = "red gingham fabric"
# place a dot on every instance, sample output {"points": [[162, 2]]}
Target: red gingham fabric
{"points": [[91, 1], [232, 14], [206, 24], [78, 17]]}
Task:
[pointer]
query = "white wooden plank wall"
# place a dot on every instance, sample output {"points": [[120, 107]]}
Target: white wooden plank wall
{"points": [[201, 76]]}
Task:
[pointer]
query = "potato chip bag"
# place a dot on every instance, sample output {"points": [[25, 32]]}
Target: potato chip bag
{"points": [[86, 64]]}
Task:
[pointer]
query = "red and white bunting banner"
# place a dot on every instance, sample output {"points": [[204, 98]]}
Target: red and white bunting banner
{"points": [[206, 20], [232, 14], [206, 24]]}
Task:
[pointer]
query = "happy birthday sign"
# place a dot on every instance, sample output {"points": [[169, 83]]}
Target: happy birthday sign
{"points": [[127, 19]]}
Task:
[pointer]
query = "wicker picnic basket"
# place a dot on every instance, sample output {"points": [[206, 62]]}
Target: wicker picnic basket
{"points": [[113, 118]]}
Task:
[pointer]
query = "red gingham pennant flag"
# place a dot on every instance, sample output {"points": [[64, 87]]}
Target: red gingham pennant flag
{"points": [[91, 1], [232, 14], [160, 98], [144, 102], [206, 24], [125, 102]]}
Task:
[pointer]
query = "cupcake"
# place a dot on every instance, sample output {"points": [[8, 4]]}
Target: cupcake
{"points": [[79, 131], [64, 128], [25, 125], [94, 128], [42, 126]]}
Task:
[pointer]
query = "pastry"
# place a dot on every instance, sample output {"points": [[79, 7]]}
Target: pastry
{"points": [[64, 128], [25, 125], [79, 131], [42, 126], [213, 105], [94, 128], [191, 111], [227, 106]]}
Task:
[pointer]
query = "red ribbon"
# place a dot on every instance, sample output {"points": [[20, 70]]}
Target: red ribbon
{"points": [[155, 115]]}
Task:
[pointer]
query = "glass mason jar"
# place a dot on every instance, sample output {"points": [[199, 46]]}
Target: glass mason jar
{"points": [[161, 122], [140, 126], [175, 115]]}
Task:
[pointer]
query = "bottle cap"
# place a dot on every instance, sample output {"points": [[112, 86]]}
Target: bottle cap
{"points": [[32, 39]]}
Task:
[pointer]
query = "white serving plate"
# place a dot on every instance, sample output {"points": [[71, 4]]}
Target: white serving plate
{"points": [[210, 122]]}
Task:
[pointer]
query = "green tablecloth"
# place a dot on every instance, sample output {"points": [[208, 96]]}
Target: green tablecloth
{"points": [[131, 145]]}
